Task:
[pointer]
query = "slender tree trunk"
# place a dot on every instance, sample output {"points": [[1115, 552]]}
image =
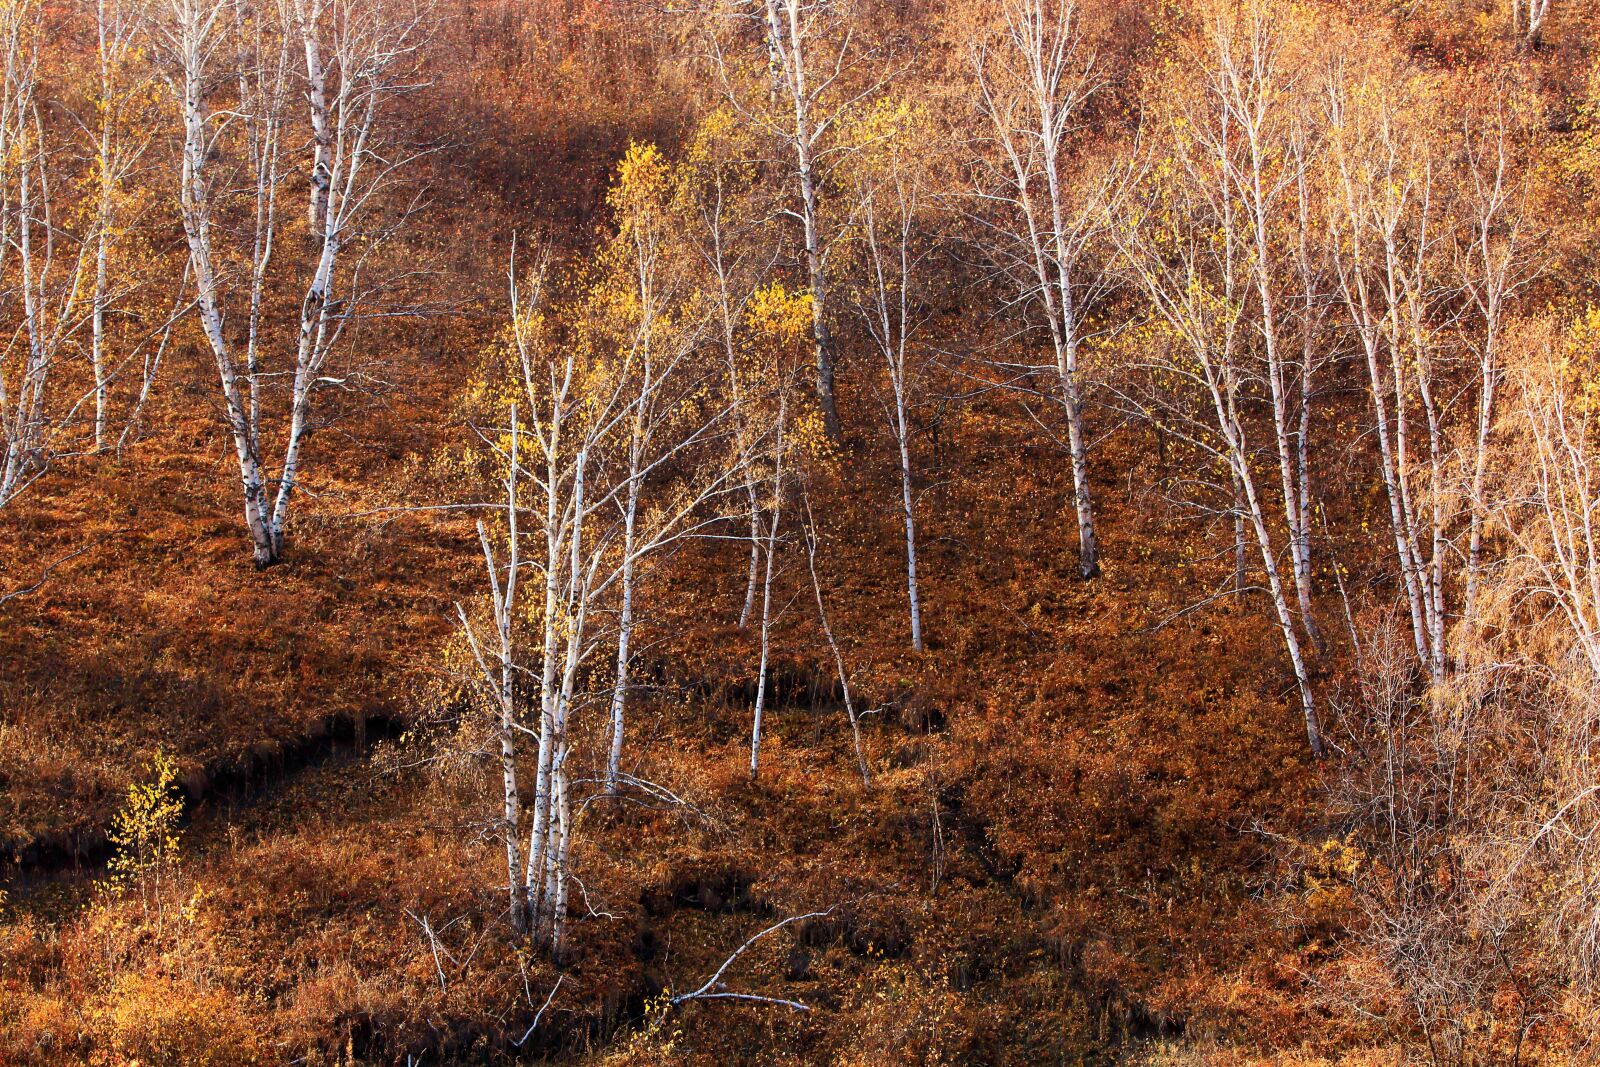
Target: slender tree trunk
{"points": [[1067, 333], [753, 578], [325, 210], [1538, 11], [321, 175], [97, 342], [1088, 543], [552, 563], [741, 429], [197, 231], [619, 692], [1283, 437], [1390, 470], [152, 366], [266, 162], [819, 307], [1302, 437], [1232, 431], [505, 604], [504, 686], [543, 855], [902, 433], [786, 40], [761, 673], [1487, 381], [766, 593], [555, 917], [26, 440], [512, 817], [1286, 622], [1303, 487], [1240, 552], [551, 909]]}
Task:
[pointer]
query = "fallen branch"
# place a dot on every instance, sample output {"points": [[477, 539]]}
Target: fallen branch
{"points": [[45, 574], [705, 992], [538, 1015], [433, 944]]}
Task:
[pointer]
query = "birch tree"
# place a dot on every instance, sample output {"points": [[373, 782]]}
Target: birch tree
{"points": [[119, 145], [263, 74], [777, 320], [589, 461], [1528, 19], [1188, 245], [498, 669], [812, 536], [43, 265], [891, 307], [359, 57], [1387, 226], [575, 415], [772, 524], [1494, 259], [817, 73], [1035, 77], [1554, 489], [1430, 252], [1549, 583], [724, 230], [662, 318], [616, 448], [1254, 134]]}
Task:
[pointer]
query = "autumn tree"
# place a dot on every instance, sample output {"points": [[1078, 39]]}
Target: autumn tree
{"points": [[798, 71], [610, 442], [45, 260], [1387, 224], [1201, 245], [724, 228], [662, 313], [121, 141], [892, 299], [777, 320], [1042, 209], [357, 57]]}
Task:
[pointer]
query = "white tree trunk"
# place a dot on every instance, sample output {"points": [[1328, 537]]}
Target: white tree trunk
{"points": [[196, 30], [787, 42], [619, 692], [909, 510], [770, 552]]}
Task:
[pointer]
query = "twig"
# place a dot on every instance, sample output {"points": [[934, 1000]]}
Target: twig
{"points": [[433, 945], [810, 532]]}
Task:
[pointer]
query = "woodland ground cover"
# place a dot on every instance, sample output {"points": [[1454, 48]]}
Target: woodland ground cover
{"points": [[798, 532]]}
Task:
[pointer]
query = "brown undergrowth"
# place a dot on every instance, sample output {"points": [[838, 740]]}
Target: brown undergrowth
{"points": [[1055, 856]]}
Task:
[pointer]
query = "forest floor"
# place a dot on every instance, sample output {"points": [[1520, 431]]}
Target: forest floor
{"points": [[1064, 851]]}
